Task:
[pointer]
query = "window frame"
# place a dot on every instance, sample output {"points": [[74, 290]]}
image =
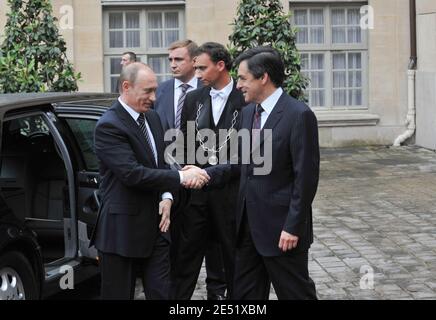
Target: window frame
{"points": [[144, 51], [328, 48]]}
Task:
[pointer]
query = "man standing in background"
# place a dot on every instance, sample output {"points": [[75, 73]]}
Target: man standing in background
{"points": [[216, 107], [127, 58], [170, 97]]}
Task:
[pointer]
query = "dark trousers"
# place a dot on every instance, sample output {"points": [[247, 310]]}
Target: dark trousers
{"points": [[215, 275], [254, 273], [210, 214], [118, 274]]}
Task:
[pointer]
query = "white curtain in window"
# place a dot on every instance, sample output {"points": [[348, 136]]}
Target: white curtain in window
{"points": [[317, 80], [338, 26], [300, 17], [132, 36], [355, 78], [116, 20], [354, 35], [160, 66], [339, 97], [132, 39], [317, 98], [304, 61], [355, 60], [132, 20], [171, 20], [116, 39], [155, 36], [300, 20], [317, 26]]}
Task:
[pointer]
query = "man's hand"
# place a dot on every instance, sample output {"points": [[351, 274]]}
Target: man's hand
{"points": [[164, 211], [287, 241], [194, 177]]}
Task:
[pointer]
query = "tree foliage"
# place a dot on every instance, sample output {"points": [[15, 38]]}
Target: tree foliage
{"points": [[263, 22], [33, 54]]}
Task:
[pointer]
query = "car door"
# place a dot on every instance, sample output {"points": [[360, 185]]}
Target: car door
{"points": [[79, 125]]}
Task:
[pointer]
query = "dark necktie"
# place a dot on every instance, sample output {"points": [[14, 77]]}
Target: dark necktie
{"points": [[257, 117], [255, 132], [143, 127], [182, 97]]}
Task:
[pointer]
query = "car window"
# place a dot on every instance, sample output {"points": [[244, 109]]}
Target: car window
{"points": [[83, 130]]}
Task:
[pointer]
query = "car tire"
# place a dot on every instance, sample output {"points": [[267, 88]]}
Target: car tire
{"points": [[17, 279]]}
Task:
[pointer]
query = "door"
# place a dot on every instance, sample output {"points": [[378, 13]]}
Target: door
{"points": [[81, 129]]}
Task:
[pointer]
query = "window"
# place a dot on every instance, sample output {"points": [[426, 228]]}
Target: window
{"points": [[147, 32], [83, 130], [333, 50]]}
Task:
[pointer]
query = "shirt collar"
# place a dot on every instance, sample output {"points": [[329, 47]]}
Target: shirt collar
{"points": [[269, 103], [193, 83], [224, 92], [133, 113]]}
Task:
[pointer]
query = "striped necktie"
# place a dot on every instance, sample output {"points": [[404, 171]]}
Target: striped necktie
{"points": [[182, 97], [143, 127]]}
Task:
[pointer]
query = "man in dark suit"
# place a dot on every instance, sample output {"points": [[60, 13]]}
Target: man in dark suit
{"points": [[215, 107], [129, 145], [170, 96], [274, 214]]}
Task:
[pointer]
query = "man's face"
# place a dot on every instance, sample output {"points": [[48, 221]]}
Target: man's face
{"points": [[250, 87], [142, 94], [125, 60], [181, 63], [206, 70]]}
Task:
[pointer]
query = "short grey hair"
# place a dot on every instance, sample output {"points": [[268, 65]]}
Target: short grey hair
{"points": [[130, 73]]}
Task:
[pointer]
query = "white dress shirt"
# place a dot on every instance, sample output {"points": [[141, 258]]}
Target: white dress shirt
{"points": [[219, 99], [268, 105]]}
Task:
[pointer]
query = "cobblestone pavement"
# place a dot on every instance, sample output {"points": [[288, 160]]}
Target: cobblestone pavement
{"points": [[374, 218]]}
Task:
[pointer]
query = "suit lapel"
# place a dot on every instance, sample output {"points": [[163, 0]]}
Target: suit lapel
{"points": [[134, 127], [158, 139], [272, 120], [233, 103], [206, 110], [169, 104]]}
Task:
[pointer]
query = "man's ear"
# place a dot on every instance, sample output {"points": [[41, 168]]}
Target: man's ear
{"points": [[221, 65], [125, 85], [265, 78]]}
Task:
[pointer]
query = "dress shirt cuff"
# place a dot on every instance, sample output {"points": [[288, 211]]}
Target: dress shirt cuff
{"points": [[167, 195], [181, 177]]}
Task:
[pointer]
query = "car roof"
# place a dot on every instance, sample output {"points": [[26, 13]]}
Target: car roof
{"points": [[17, 101]]}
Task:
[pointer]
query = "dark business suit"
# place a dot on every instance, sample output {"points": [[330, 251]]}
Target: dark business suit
{"points": [[281, 200], [127, 229], [215, 277], [209, 212]]}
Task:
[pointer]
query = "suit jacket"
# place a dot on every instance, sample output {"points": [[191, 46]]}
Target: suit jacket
{"points": [[164, 104], [282, 199], [131, 183]]}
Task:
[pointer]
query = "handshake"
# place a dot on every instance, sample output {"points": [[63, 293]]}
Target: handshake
{"points": [[193, 177]]}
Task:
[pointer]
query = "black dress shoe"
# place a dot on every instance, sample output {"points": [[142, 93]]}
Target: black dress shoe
{"points": [[216, 297]]}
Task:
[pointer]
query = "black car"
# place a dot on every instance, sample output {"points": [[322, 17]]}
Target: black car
{"points": [[48, 191]]}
